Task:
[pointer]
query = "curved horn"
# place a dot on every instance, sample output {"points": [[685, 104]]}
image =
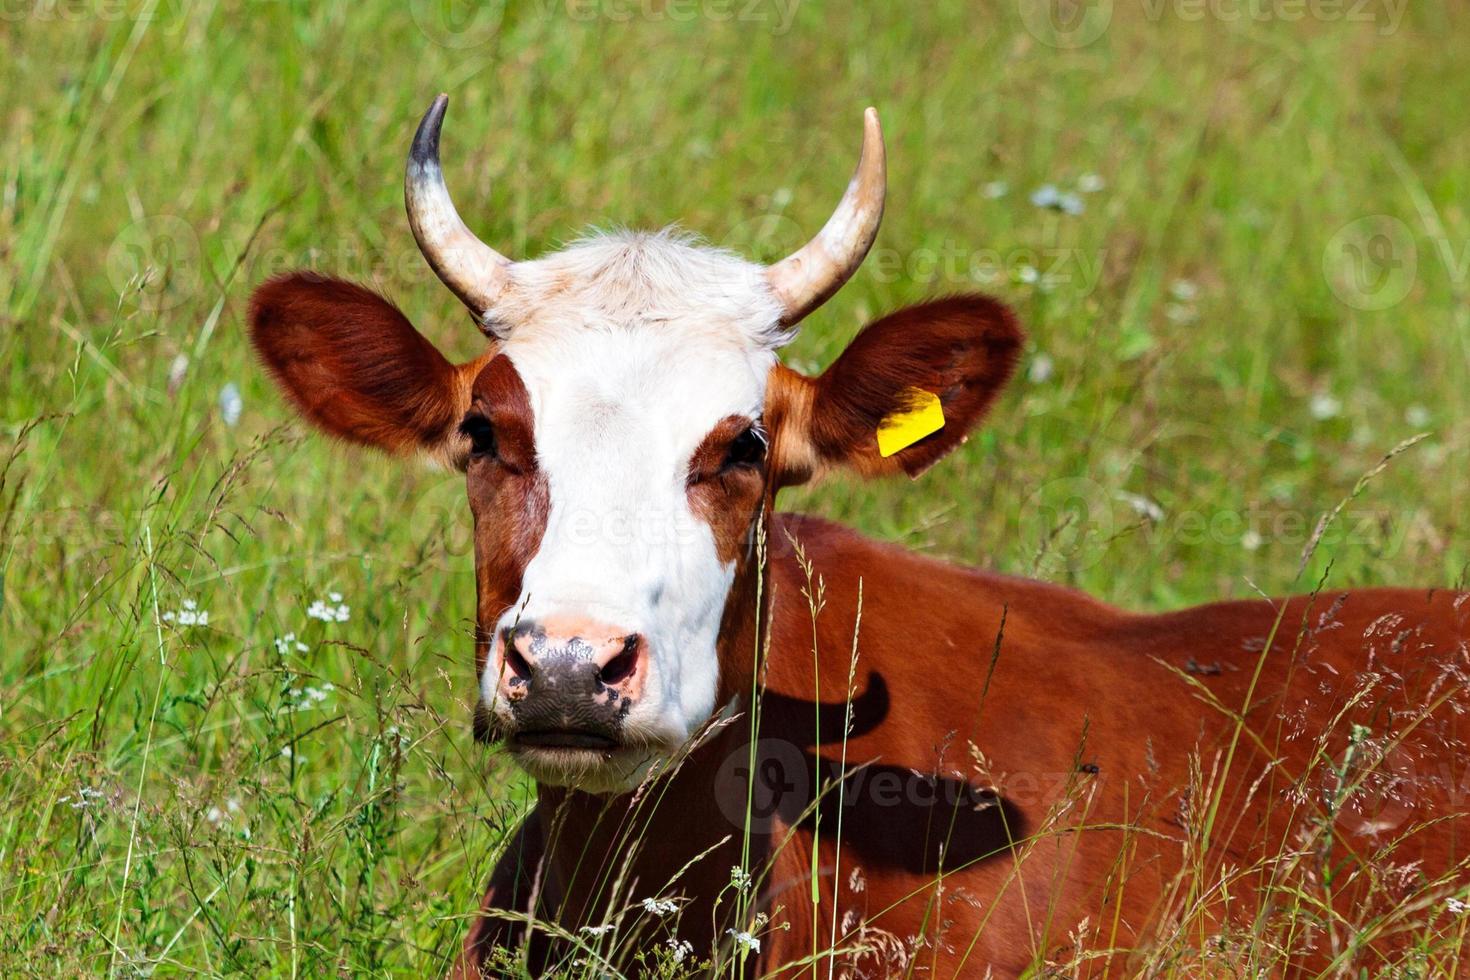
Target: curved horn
{"points": [[806, 278], [474, 271]]}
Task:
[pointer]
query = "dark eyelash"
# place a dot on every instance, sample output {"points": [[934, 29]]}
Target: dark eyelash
{"points": [[747, 449]]}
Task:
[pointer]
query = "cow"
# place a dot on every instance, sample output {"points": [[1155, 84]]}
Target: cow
{"points": [[768, 745]]}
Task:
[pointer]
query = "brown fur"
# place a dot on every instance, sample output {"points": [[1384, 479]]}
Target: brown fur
{"points": [[1020, 758]]}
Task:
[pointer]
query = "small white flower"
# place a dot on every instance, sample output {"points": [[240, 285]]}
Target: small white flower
{"points": [[176, 371], [86, 798], [1180, 313], [1027, 273], [601, 930], [329, 610], [1417, 416], [1090, 183], [996, 189], [740, 878], [1251, 540], [285, 644], [296, 757], [660, 906], [1046, 196], [745, 941], [1184, 290], [1041, 369], [1325, 407], [682, 949], [1142, 506], [230, 404], [1070, 204], [1456, 906], [189, 615]]}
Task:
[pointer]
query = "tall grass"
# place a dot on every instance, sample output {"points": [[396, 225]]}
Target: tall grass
{"points": [[272, 792]]}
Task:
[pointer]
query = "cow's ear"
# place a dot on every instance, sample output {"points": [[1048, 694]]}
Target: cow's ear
{"points": [[907, 390], [351, 362]]}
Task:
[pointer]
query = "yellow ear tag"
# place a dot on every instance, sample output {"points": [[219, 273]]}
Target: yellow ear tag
{"points": [[924, 416]]}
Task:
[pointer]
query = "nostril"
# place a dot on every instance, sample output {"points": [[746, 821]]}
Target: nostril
{"points": [[621, 667], [516, 662]]}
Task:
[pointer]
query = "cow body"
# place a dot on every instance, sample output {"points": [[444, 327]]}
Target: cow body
{"points": [[767, 743], [1022, 758]]}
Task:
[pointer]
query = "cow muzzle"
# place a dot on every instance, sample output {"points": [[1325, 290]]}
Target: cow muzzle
{"points": [[566, 684]]}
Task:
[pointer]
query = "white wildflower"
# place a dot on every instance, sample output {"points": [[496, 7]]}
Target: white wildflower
{"points": [[1045, 196], [1141, 505], [1325, 407], [996, 189], [1090, 183], [230, 404], [1251, 540], [285, 644], [660, 906], [1184, 290], [85, 798], [1456, 906], [1041, 369], [177, 368], [1027, 273], [1417, 416], [681, 949], [1180, 313], [601, 930], [218, 815], [745, 941], [330, 610], [740, 878], [296, 757], [189, 615]]}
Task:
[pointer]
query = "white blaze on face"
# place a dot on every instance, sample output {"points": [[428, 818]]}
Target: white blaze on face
{"points": [[632, 349]]}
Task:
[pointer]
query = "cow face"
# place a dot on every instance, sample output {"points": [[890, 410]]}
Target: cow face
{"points": [[621, 438]]}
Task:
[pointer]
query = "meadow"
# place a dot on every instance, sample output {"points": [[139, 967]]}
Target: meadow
{"points": [[237, 674]]}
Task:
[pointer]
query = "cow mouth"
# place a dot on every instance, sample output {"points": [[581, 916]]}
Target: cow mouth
{"points": [[563, 739]]}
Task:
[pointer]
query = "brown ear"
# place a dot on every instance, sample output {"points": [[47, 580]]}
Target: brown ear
{"points": [[962, 349], [354, 365]]}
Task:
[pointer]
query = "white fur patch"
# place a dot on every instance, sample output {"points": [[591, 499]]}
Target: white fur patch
{"points": [[632, 347]]}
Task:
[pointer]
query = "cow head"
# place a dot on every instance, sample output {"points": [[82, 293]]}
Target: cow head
{"points": [[622, 437]]}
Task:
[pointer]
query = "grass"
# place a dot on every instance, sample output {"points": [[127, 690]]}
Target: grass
{"points": [[1221, 345]]}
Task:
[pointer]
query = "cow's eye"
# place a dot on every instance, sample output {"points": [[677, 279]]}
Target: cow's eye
{"points": [[746, 449], [481, 434]]}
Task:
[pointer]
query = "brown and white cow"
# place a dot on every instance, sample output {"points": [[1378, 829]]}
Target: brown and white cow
{"points": [[952, 772]]}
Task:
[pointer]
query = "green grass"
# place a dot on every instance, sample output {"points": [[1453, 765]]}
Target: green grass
{"points": [[1199, 356]]}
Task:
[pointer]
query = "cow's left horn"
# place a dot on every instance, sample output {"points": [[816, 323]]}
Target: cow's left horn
{"points": [[474, 271], [806, 278]]}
